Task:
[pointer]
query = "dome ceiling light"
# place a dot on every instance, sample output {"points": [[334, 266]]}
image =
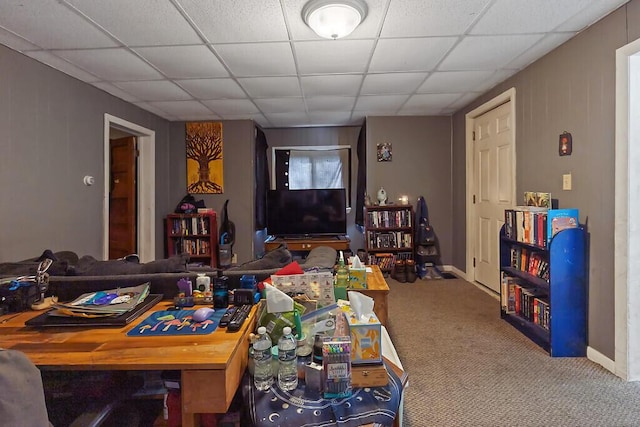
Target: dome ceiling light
{"points": [[334, 19]]}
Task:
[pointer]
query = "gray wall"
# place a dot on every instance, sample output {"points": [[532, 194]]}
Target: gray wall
{"points": [[51, 136], [238, 146], [420, 166], [572, 89]]}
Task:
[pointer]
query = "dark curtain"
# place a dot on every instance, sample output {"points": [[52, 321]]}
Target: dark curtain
{"points": [[262, 179], [282, 169], [361, 183]]}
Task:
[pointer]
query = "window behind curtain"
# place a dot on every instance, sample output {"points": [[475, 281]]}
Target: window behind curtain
{"points": [[317, 167]]}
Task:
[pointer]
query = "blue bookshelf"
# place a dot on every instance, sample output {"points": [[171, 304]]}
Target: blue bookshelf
{"points": [[557, 321]]}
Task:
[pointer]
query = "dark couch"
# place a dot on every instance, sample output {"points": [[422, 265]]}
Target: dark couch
{"points": [[71, 276]]}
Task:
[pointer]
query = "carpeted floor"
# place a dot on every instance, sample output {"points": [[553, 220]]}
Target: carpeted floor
{"points": [[467, 367]]}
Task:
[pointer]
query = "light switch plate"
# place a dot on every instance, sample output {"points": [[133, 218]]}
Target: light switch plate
{"points": [[566, 181]]}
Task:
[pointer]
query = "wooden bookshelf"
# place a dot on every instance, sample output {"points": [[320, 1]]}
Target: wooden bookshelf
{"points": [[194, 234]]}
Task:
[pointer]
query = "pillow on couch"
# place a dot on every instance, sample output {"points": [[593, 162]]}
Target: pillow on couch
{"points": [[276, 258], [89, 266]]}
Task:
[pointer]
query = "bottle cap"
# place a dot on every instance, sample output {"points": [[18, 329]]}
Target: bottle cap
{"points": [[286, 330], [262, 330]]}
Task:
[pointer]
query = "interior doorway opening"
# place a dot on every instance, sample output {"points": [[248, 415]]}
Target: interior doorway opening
{"points": [[145, 185]]}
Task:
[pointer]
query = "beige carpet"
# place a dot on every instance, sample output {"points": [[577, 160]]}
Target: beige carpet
{"points": [[467, 367]]}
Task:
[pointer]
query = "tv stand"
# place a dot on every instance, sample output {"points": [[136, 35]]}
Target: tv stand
{"points": [[306, 243]]}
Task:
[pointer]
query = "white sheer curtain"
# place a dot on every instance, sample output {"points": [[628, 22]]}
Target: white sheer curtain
{"points": [[318, 169]]}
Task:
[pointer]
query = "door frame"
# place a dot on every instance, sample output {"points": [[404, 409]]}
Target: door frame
{"points": [[507, 96], [626, 228], [145, 183]]}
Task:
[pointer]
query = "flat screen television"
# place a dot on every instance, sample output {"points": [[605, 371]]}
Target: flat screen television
{"points": [[301, 213]]}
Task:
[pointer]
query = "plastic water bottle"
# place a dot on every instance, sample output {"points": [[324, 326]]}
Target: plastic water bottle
{"points": [[287, 360], [342, 279], [262, 370]]}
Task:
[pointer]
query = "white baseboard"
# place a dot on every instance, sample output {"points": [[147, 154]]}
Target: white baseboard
{"points": [[596, 357]]}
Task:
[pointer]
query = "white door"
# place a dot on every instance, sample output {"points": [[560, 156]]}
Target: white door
{"points": [[493, 180]]}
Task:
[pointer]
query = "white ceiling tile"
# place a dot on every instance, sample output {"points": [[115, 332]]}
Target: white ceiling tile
{"points": [[525, 16], [15, 42], [293, 119], [51, 25], [280, 105], [429, 101], [415, 18], [544, 46], [486, 52], [101, 63], [379, 84], [153, 109], [259, 118], [335, 84], [181, 108], [330, 103], [155, 90], [330, 118], [197, 117], [183, 62], [443, 81], [116, 91], [132, 24], [464, 100], [231, 106], [270, 87], [258, 59], [222, 88], [238, 20], [415, 54], [380, 103], [593, 12], [60, 64], [333, 56]]}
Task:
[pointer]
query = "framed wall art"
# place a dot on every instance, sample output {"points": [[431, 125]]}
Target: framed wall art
{"points": [[204, 158], [385, 152]]}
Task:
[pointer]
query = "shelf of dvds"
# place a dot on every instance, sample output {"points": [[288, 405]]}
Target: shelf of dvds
{"points": [[543, 290], [388, 234], [194, 234]]}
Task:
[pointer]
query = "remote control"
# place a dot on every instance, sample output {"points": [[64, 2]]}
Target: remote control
{"points": [[227, 316], [239, 317]]}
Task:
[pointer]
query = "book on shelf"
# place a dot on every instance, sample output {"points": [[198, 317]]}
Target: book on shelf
{"points": [[560, 219], [526, 224]]}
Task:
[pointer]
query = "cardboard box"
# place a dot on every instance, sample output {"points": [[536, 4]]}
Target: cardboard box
{"points": [[358, 278], [366, 345]]}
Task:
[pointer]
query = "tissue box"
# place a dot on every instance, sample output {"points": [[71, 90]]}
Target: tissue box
{"points": [[358, 278], [366, 345]]}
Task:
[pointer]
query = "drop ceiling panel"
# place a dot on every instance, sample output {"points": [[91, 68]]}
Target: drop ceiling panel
{"points": [[487, 52], [101, 63], [15, 42], [181, 62], [415, 54], [182, 108], [212, 88], [415, 18], [237, 20], [291, 119], [271, 87], [379, 84], [544, 46], [331, 103], [232, 106], [157, 90], [432, 101], [116, 91], [328, 118], [280, 105], [273, 59], [51, 25], [140, 22], [60, 64], [380, 103], [333, 56], [347, 84], [462, 81]]}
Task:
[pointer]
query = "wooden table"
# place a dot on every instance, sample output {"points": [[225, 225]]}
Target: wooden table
{"points": [[378, 289], [211, 365]]}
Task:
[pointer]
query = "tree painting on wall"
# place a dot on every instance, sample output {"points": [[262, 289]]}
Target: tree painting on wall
{"points": [[204, 158]]}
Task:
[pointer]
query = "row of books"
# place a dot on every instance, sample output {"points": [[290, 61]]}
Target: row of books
{"points": [[386, 261], [389, 239], [190, 226], [527, 302], [537, 225], [532, 262], [192, 246], [394, 218]]}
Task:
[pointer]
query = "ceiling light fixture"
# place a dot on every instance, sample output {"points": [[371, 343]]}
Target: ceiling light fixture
{"points": [[334, 19]]}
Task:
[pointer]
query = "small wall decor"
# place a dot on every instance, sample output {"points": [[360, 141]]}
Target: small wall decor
{"points": [[565, 146], [204, 158], [384, 152]]}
